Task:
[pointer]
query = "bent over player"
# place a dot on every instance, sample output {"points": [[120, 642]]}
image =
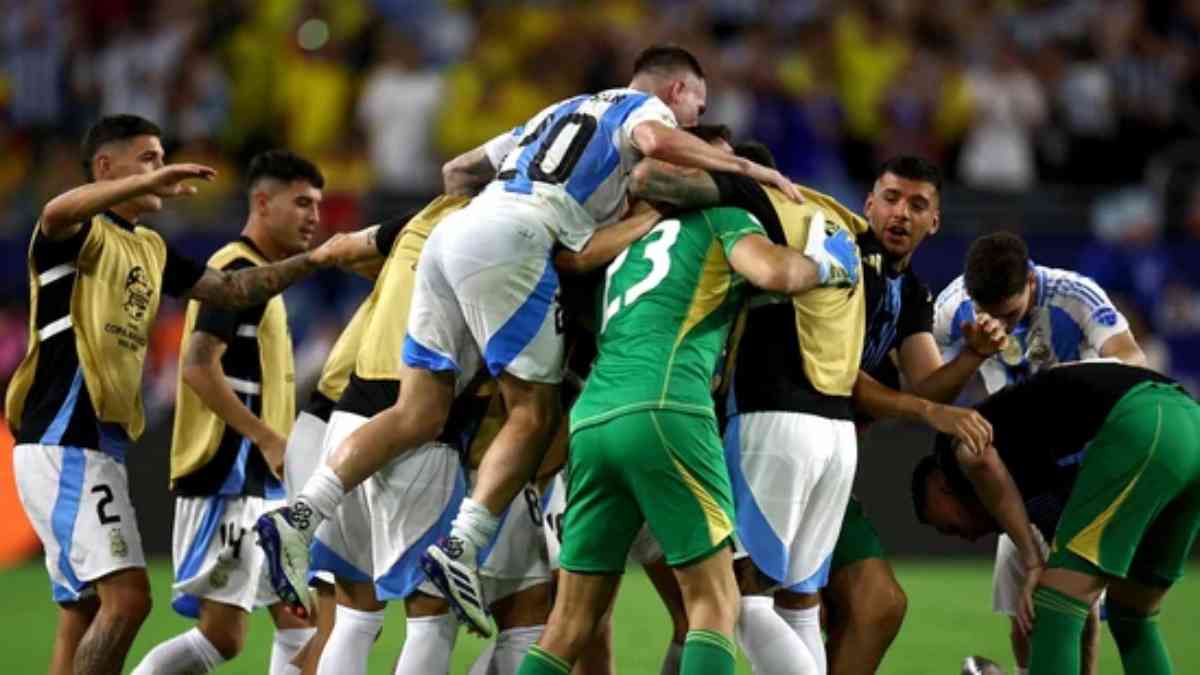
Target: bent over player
{"points": [[1105, 459]]}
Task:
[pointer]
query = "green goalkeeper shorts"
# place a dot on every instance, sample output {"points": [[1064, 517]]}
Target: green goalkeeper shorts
{"points": [[858, 539], [658, 467], [1134, 510]]}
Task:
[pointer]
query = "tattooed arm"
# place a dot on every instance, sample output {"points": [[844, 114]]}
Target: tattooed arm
{"points": [[255, 285], [665, 183]]}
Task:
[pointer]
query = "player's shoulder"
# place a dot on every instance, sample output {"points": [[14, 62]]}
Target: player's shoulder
{"points": [[1064, 287], [953, 296]]}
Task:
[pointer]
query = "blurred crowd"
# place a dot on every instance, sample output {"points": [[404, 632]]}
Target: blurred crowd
{"points": [[1098, 97]]}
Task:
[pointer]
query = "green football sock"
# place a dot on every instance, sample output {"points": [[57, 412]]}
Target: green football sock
{"points": [[1057, 633], [537, 661], [1139, 641], [707, 652]]}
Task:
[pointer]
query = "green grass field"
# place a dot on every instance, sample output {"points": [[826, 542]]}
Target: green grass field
{"points": [[948, 618]]}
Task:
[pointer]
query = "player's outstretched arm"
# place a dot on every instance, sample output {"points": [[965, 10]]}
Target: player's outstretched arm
{"points": [[468, 173], [773, 268], [201, 371], [882, 402], [999, 494], [608, 242], [255, 285], [65, 214], [659, 141]]}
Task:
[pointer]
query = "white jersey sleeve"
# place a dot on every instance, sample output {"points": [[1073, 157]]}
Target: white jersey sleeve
{"points": [[650, 110], [499, 147], [1088, 306], [951, 309]]}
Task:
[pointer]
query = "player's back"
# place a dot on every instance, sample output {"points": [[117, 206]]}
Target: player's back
{"points": [[574, 157], [668, 304]]}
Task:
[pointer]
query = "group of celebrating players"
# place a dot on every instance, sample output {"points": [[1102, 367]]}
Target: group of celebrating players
{"points": [[719, 336]]}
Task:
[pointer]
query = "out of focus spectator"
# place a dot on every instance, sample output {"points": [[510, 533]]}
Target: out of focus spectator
{"points": [[1009, 107], [396, 109]]}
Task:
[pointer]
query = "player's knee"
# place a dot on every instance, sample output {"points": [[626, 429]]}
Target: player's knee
{"points": [[130, 606], [226, 640]]}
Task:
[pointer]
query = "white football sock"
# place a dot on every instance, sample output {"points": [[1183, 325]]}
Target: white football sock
{"points": [[428, 642], [807, 625], [771, 646], [483, 662], [287, 642], [188, 653], [670, 664], [475, 526], [350, 642], [322, 493], [511, 646]]}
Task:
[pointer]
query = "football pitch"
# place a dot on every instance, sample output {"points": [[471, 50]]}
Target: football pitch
{"points": [[948, 618]]}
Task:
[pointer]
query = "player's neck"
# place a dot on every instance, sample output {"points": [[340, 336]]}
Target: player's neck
{"points": [[257, 234], [127, 211]]}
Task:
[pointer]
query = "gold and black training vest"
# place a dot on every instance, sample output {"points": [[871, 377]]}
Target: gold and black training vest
{"points": [[207, 456]]}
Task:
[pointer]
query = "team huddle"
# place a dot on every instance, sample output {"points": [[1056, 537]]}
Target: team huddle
{"points": [[617, 336]]}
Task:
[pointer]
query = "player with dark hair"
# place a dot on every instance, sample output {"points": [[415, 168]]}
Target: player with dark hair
{"points": [[864, 602], [233, 413], [75, 404], [1104, 460], [1052, 316], [485, 294]]}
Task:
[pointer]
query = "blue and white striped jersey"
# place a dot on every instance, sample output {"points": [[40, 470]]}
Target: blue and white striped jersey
{"points": [[574, 158], [1071, 319]]}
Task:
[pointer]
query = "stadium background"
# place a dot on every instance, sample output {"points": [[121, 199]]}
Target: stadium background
{"points": [[1075, 123]]}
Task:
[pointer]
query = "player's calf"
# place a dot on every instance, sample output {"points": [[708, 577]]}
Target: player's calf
{"points": [[124, 606], [866, 607], [224, 626]]}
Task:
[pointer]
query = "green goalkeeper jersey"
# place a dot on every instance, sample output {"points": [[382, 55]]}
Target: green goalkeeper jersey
{"points": [[669, 303]]}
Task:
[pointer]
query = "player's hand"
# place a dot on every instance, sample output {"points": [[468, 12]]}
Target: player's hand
{"points": [[168, 181], [1026, 613], [777, 180], [985, 335], [965, 424], [340, 249], [272, 448]]}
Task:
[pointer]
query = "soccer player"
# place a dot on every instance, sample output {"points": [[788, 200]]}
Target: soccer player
{"points": [[864, 603], [96, 277], [234, 409], [1104, 459], [644, 443], [1052, 316], [787, 374], [485, 294]]}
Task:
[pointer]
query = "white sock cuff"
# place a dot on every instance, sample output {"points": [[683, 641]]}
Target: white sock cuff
{"points": [[356, 619], [801, 617], [436, 624], [521, 633], [323, 491], [293, 638], [204, 649], [757, 602]]}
